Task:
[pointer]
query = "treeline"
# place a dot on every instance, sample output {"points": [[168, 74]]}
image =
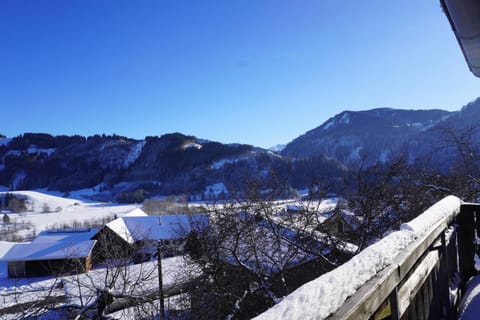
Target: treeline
{"points": [[14, 203], [45, 140], [177, 164], [169, 164]]}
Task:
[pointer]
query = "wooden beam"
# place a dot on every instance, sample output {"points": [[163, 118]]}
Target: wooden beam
{"points": [[368, 298], [415, 282], [466, 242]]}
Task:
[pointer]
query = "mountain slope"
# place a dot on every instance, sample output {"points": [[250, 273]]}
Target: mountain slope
{"points": [[180, 164], [365, 136], [170, 164]]}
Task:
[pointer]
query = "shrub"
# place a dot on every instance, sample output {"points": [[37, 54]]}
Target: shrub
{"points": [[17, 205]]}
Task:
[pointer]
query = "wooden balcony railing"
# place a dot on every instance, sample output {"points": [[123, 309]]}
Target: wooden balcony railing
{"points": [[419, 272], [427, 280]]}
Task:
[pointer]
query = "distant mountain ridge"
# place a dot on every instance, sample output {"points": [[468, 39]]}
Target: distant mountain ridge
{"points": [[377, 135], [180, 164], [170, 164]]}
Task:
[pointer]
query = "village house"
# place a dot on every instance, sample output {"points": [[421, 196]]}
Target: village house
{"points": [[339, 223], [331, 218], [140, 235], [52, 252]]}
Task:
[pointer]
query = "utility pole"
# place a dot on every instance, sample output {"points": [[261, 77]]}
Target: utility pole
{"points": [[160, 281]]}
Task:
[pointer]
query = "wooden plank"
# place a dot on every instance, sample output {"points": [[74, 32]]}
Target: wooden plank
{"points": [[369, 297], [437, 305], [443, 279], [466, 243], [412, 312], [420, 247], [394, 305], [429, 297], [422, 302], [452, 255], [448, 269], [414, 283]]}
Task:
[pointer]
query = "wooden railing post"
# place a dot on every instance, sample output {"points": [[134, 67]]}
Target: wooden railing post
{"points": [[395, 313], [445, 273], [466, 243], [446, 270]]}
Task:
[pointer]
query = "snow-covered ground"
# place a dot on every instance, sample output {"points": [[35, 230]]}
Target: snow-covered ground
{"points": [[61, 211], [80, 290], [76, 210]]}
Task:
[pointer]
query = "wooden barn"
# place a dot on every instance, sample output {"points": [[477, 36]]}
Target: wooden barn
{"points": [[52, 252]]}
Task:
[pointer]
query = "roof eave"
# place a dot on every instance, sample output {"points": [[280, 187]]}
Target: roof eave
{"points": [[463, 16]]}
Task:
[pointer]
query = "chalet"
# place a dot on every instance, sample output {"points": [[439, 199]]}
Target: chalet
{"points": [[52, 252], [339, 223], [139, 234]]}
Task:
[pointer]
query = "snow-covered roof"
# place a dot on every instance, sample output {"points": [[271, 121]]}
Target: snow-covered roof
{"points": [[53, 245], [348, 216], [136, 213], [5, 246], [165, 227]]}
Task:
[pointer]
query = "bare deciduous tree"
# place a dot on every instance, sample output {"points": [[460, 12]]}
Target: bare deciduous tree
{"points": [[253, 253]]}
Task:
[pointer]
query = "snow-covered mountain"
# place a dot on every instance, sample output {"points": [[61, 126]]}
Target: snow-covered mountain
{"points": [[169, 164], [180, 164], [376, 135], [277, 148]]}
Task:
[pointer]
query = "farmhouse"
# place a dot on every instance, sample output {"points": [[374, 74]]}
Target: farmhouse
{"points": [[52, 252], [142, 234], [339, 223]]}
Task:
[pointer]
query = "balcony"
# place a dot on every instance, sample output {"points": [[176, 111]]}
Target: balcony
{"points": [[418, 272]]}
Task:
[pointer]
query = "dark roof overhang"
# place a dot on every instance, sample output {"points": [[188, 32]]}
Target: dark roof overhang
{"points": [[464, 17]]}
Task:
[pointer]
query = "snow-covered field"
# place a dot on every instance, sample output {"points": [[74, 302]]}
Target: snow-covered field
{"points": [[49, 211]]}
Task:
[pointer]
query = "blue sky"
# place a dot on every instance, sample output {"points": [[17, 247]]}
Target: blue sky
{"points": [[253, 71]]}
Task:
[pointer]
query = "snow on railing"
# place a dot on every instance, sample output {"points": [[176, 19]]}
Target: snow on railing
{"points": [[321, 297], [448, 207]]}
